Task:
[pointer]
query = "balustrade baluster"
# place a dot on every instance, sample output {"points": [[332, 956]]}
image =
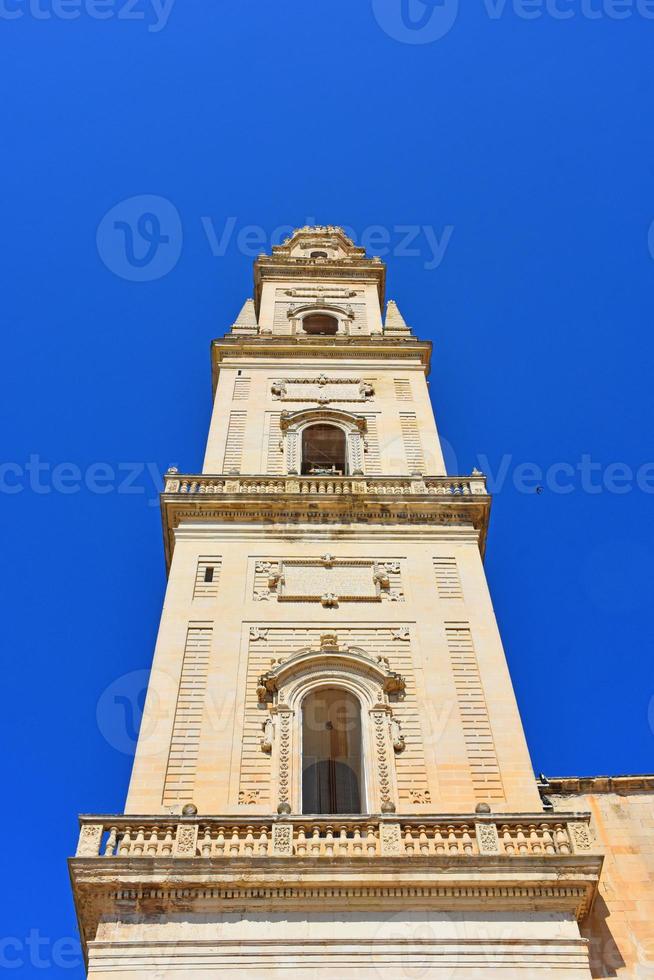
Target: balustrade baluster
{"points": [[509, 846], [548, 842], [371, 840], [111, 842], [409, 843], [301, 842], [235, 843], [125, 844]]}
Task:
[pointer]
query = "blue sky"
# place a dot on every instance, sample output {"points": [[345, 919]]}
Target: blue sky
{"points": [[517, 149]]}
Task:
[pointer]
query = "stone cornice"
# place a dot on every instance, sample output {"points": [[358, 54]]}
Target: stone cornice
{"points": [[581, 785], [377, 347], [452, 501], [293, 268]]}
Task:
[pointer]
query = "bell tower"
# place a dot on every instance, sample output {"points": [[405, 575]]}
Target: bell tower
{"points": [[332, 777]]}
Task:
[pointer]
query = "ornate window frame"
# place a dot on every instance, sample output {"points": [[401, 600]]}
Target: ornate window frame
{"points": [[344, 315], [375, 686], [293, 424]]}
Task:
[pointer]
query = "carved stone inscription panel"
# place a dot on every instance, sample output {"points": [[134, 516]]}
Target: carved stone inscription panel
{"points": [[328, 580]]}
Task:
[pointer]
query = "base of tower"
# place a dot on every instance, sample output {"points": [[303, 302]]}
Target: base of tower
{"points": [[392, 944]]}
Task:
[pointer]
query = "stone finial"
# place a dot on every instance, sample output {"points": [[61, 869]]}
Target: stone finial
{"points": [[482, 808], [189, 810]]}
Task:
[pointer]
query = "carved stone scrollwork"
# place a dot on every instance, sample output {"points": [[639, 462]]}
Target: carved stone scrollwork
{"points": [[258, 633], [186, 841], [390, 838], [488, 839], [266, 741], [282, 840], [397, 738], [580, 836]]}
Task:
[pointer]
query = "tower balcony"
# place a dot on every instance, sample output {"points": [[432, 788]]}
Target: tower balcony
{"points": [[416, 499], [548, 862]]}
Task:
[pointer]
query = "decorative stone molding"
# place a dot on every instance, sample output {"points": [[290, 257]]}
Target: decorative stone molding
{"points": [[186, 840], [90, 838], [580, 835], [390, 838], [258, 633], [322, 389], [376, 688], [282, 840], [487, 838], [328, 580]]}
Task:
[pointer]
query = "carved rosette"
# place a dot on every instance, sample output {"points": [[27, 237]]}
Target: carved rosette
{"points": [[385, 780]]}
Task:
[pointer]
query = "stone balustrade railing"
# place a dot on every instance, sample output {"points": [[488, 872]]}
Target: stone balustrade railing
{"points": [[433, 486], [303, 837]]}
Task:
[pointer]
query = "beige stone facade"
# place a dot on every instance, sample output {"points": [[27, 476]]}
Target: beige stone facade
{"points": [[324, 549]]}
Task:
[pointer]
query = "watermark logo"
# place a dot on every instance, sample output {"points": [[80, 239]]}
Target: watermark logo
{"points": [[140, 239], [153, 12], [426, 21], [416, 21]]}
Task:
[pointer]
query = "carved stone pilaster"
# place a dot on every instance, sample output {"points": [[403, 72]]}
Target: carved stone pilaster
{"points": [[284, 762], [383, 761], [355, 447], [292, 455]]}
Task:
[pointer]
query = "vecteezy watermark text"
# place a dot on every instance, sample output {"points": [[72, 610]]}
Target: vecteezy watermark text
{"points": [[43, 477], [39, 952], [426, 21], [398, 240], [154, 13]]}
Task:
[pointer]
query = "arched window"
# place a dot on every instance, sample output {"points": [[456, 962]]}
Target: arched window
{"points": [[320, 323], [318, 255], [332, 770], [323, 450]]}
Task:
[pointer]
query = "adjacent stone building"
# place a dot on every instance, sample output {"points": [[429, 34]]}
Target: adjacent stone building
{"points": [[332, 778]]}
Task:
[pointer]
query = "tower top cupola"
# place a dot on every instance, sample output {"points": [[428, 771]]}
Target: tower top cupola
{"points": [[319, 252]]}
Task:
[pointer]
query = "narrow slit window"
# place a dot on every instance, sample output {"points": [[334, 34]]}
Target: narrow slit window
{"points": [[208, 573]]}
